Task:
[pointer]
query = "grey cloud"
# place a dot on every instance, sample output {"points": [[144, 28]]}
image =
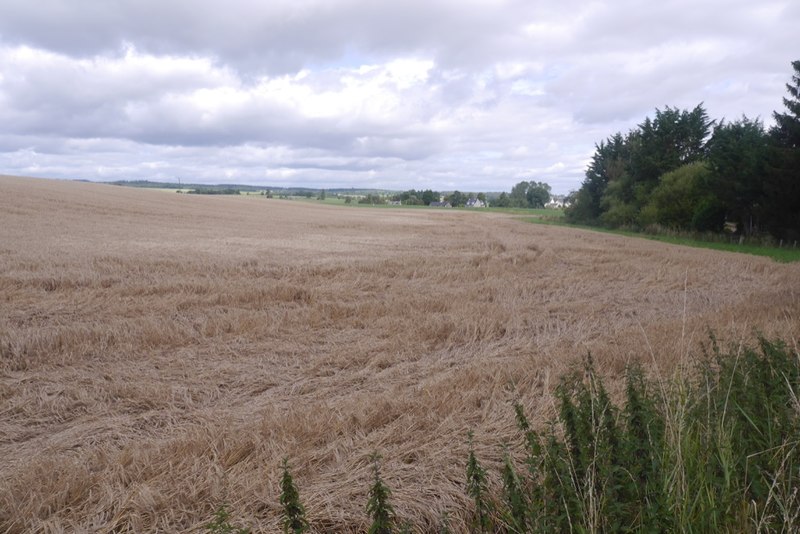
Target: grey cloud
{"points": [[515, 89], [110, 98], [278, 36]]}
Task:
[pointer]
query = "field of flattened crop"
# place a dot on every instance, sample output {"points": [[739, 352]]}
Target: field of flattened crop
{"points": [[161, 354]]}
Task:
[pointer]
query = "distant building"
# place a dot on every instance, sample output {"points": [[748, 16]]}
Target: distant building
{"points": [[440, 205], [475, 203]]}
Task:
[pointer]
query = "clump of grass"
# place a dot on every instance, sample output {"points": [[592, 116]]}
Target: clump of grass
{"points": [[740, 437], [444, 524], [718, 451]]}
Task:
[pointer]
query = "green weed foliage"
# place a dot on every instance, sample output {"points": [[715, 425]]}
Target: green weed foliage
{"points": [[378, 507], [294, 513], [221, 523], [714, 451], [716, 448], [477, 489]]}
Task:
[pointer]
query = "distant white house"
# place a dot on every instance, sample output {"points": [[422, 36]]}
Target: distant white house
{"points": [[440, 205], [556, 203], [475, 203]]}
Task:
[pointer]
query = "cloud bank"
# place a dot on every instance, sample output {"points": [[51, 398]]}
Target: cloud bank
{"points": [[474, 95]]}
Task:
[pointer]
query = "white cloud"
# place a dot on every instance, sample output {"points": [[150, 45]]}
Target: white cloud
{"points": [[470, 94]]}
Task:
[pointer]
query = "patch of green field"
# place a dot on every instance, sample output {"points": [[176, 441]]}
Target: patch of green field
{"points": [[333, 201], [784, 254], [538, 213]]}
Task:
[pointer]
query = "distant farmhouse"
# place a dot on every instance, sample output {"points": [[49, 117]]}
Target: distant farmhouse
{"points": [[475, 203], [557, 202], [440, 205]]}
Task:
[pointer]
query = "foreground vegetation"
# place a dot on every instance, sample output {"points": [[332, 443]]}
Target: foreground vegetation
{"points": [[715, 449]]}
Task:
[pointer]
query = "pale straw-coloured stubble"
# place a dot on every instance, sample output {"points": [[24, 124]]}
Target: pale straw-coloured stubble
{"points": [[161, 353]]}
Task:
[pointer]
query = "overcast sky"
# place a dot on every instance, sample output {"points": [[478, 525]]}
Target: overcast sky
{"points": [[473, 95]]}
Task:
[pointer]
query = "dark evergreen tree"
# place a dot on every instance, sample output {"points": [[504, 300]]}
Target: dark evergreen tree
{"points": [[737, 155], [608, 163], [672, 139], [786, 132], [782, 180], [625, 170]]}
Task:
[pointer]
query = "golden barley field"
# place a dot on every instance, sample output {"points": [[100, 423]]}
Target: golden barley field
{"points": [[160, 354]]}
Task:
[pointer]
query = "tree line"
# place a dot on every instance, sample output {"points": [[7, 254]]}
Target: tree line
{"points": [[525, 194], [684, 171]]}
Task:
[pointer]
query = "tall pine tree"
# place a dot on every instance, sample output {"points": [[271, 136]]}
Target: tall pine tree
{"points": [[737, 156], [786, 131], [782, 180]]}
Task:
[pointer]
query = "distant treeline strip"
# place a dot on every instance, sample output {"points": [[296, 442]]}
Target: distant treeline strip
{"points": [[244, 188], [214, 191]]}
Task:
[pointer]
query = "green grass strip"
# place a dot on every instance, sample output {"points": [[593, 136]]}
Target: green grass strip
{"points": [[780, 254]]}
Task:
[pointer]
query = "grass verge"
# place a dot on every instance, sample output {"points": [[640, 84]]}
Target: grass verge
{"points": [[780, 254]]}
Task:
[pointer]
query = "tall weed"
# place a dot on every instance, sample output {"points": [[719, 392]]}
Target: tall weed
{"points": [[718, 450]]}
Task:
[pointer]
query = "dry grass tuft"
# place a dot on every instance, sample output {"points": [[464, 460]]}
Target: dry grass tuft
{"points": [[161, 353]]}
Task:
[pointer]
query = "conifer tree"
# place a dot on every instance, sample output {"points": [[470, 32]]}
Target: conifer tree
{"points": [[786, 131], [782, 180]]}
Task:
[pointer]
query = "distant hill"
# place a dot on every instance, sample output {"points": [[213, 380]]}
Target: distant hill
{"points": [[289, 191]]}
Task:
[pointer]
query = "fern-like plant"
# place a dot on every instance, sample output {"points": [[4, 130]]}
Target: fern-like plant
{"points": [[294, 514], [221, 523], [378, 507], [516, 501], [478, 490]]}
